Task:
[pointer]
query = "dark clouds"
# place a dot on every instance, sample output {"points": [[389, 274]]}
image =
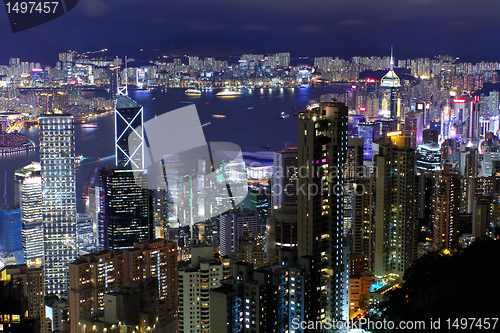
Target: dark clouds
{"points": [[314, 27]]}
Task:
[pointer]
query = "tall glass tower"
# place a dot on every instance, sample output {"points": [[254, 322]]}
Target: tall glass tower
{"points": [[30, 191], [57, 160], [126, 212], [390, 98], [129, 125]]}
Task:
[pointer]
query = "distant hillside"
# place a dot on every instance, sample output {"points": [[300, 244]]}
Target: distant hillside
{"points": [[216, 49]]}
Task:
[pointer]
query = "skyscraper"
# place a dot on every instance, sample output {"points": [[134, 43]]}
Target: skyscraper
{"points": [[84, 233], [446, 204], [129, 126], [30, 191], [390, 96], [369, 132], [195, 282], [322, 145], [10, 232], [285, 177], [57, 161], [126, 212], [395, 207], [232, 227]]}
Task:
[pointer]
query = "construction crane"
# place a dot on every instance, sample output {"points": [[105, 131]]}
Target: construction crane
{"points": [[86, 186]]}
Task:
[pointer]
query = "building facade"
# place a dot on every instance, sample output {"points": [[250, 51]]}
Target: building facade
{"points": [[395, 207], [30, 191], [322, 145], [126, 208], [57, 161]]}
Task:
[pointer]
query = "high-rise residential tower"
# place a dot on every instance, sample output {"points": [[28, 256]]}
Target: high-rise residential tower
{"points": [[446, 202], [395, 207], [322, 146], [57, 161]]}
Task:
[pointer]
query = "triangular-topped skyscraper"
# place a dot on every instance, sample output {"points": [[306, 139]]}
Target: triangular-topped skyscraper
{"points": [[129, 125]]}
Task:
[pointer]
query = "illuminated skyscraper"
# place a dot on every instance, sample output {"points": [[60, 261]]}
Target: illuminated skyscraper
{"points": [[10, 231], [322, 145], [85, 233], [390, 99], [30, 190], [129, 126], [446, 204], [232, 227], [369, 132], [57, 161], [195, 282], [282, 223], [126, 209], [395, 207]]}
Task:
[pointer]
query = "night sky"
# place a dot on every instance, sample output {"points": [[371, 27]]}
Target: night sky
{"points": [[343, 28]]}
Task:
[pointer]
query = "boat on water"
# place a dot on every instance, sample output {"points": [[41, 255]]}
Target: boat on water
{"points": [[283, 115], [79, 158], [266, 146], [192, 92], [89, 125], [219, 115], [312, 106], [228, 92]]}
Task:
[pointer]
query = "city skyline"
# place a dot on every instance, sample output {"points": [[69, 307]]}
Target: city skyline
{"points": [[370, 150]]}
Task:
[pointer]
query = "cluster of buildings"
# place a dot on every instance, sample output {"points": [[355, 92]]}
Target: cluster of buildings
{"points": [[380, 176]]}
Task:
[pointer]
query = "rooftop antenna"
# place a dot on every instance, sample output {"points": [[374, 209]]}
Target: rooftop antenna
{"points": [[391, 64]]}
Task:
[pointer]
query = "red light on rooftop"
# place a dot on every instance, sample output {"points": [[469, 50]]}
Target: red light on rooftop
{"points": [[370, 80]]}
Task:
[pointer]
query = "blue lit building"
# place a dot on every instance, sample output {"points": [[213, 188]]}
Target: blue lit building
{"points": [[10, 230], [369, 132], [354, 120]]}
